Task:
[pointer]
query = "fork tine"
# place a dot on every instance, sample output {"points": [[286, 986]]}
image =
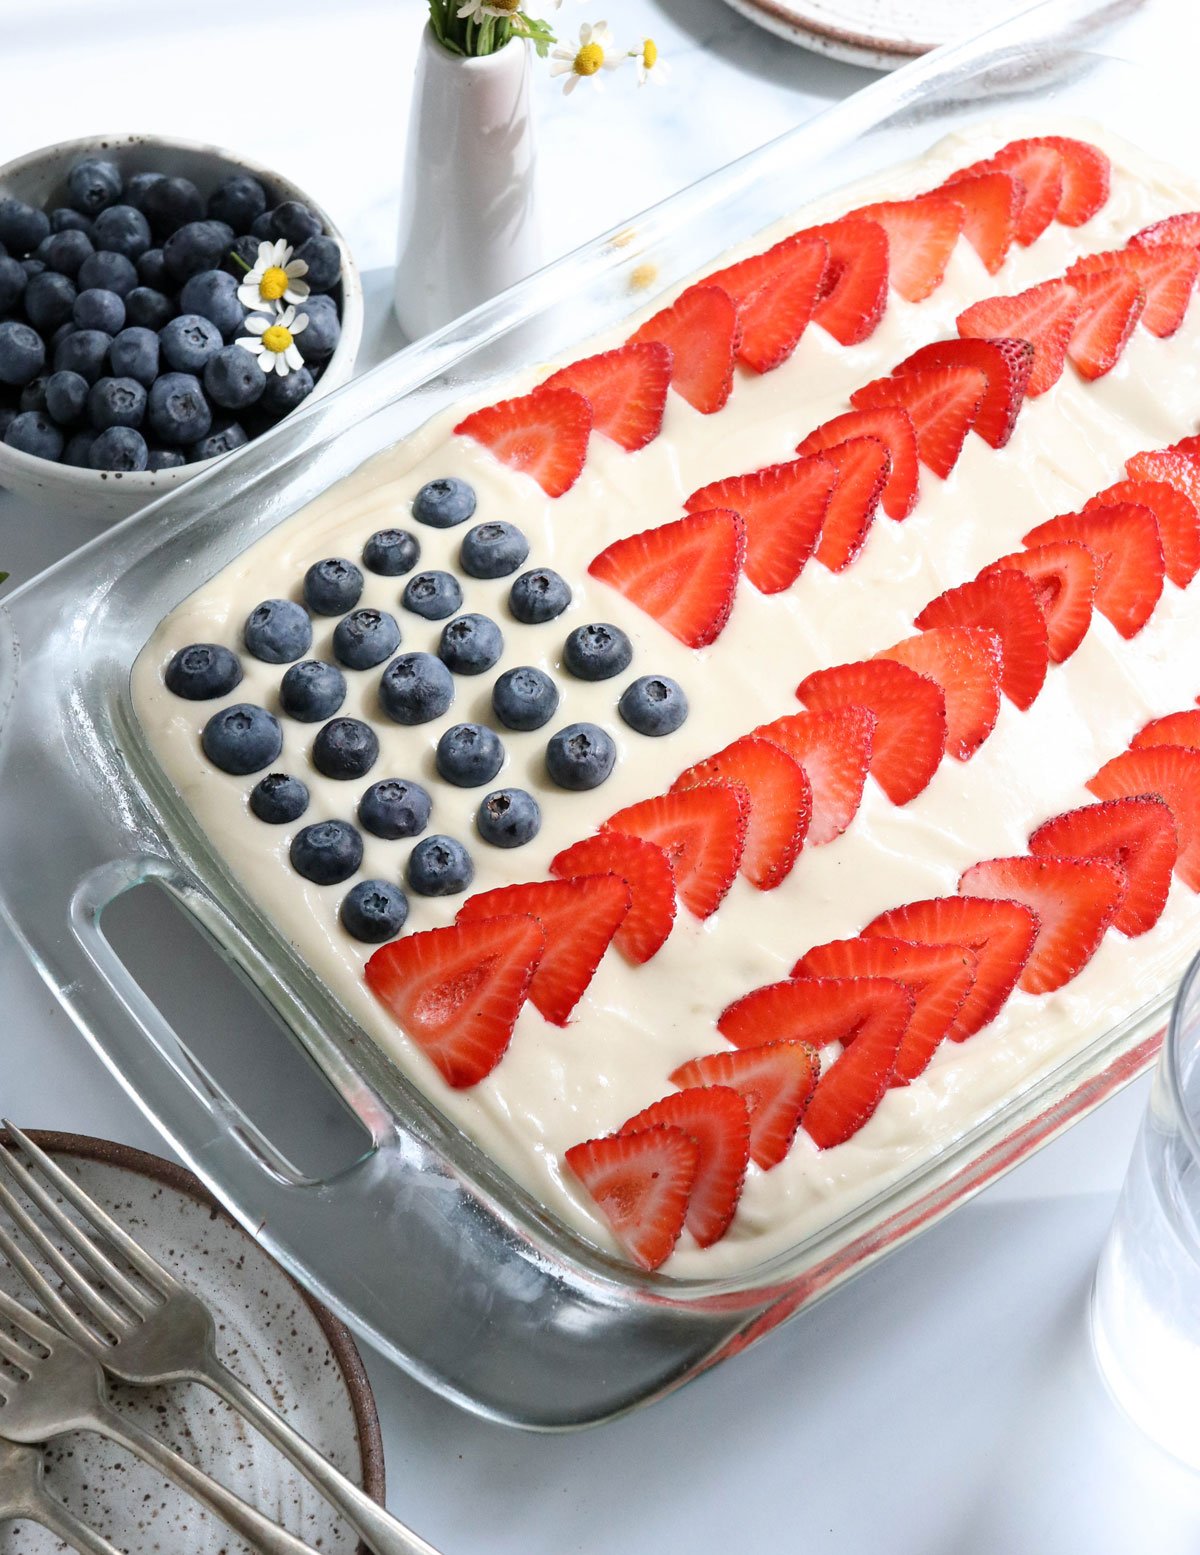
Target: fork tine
{"points": [[74, 1278], [12, 1352], [68, 1321], [32, 1326]]}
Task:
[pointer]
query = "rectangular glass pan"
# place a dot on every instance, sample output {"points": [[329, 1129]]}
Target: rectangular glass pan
{"points": [[423, 1245]]}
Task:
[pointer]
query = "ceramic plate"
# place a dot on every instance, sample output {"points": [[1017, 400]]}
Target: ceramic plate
{"points": [[289, 1350]]}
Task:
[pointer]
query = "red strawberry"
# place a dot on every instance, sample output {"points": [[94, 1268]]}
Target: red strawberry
{"points": [[543, 434], [921, 235], [578, 917], [1038, 169], [1173, 729], [1136, 834], [684, 574], [641, 1184], [1190, 446], [910, 712], [1111, 304], [626, 388], [775, 294], [1086, 176], [892, 426], [863, 465], [854, 288], [701, 331], [717, 1121], [780, 804], [1166, 273], [939, 977], [783, 508], [1064, 576], [942, 403], [775, 1081], [1006, 364], [701, 830], [965, 662], [1004, 603], [834, 748], [1176, 516], [457, 991], [1173, 773], [1175, 466], [1044, 315], [1182, 228], [991, 204], [1001, 935], [1125, 540], [1075, 900], [645, 869]]}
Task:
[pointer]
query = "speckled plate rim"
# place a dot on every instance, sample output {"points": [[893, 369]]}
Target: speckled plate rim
{"points": [[788, 20], [342, 1346]]}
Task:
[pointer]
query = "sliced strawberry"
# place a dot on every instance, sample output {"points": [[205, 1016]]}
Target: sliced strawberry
{"points": [[1001, 934], [1174, 466], [921, 235], [780, 804], [626, 388], [1111, 304], [910, 712], [965, 662], [1173, 729], [783, 508], [578, 917], [645, 869], [1136, 834], [543, 434], [641, 1183], [1038, 169], [701, 830], [1181, 228], [1176, 516], [716, 1119], [939, 977], [775, 294], [1044, 315], [684, 574], [1124, 538], [1075, 900], [775, 1080], [1064, 575], [1086, 178], [1165, 273], [1173, 773], [457, 991], [834, 748], [1189, 446], [863, 465], [1004, 603], [1006, 364], [701, 331], [942, 404], [854, 288], [991, 205], [892, 427]]}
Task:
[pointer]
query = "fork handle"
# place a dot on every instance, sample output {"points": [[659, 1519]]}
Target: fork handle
{"points": [[64, 1525]]}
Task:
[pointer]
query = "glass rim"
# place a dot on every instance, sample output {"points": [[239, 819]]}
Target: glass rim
{"points": [[1172, 1057]]}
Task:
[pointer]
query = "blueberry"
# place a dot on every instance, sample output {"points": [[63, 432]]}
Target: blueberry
{"points": [[373, 911], [233, 379], [524, 698], [94, 184], [260, 228], [33, 267], [138, 187], [580, 756], [22, 227], [294, 223], [395, 808], [443, 503], [508, 818], [135, 354], [108, 272], [178, 411], [78, 450], [213, 295], [116, 402], [221, 440], [152, 270], [538, 596], [312, 691], [202, 670], [439, 866], [332, 586], [122, 230], [241, 739], [22, 354], [597, 651], [67, 327], [119, 448], [49, 298], [284, 394], [278, 798], [95, 309], [12, 283], [84, 351], [432, 595], [324, 260], [33, 432], [188, 341], [277, 631], [492, 550], [415, 688], [326, 853], [171, 203], [66, 397], [65, 252], [146, 308], [241, 257], [237, 200], [165, 459], [469, 754], [64, 219], [33, 395], [319, 338], [391, 552], [345, 748], [654, 705], [470, 644], [7, 416], [365, 638], [200, 245]]}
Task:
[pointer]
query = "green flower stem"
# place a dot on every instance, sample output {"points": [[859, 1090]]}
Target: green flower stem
{"points": [[474, 39]]}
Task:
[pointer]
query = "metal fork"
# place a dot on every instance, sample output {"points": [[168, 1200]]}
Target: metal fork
{"points": [[64, 1390], [163, 1334], [23, 1496]]}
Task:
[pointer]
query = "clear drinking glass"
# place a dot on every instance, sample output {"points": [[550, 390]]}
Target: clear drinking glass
{"points": [[1146, 1296]]}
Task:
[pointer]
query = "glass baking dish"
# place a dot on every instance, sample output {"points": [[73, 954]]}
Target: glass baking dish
{"points": [[422, 1244]]}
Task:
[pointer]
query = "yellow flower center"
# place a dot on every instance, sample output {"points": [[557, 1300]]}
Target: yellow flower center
{"points": [[273, 284], [649, 53], [505, 5], [589, 59], [277, 339]]}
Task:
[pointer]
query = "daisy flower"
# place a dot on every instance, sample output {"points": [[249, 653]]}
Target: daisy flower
{"points": [[596, 51], [273, 341], [649, 66], [275, 275], [477, 10]]}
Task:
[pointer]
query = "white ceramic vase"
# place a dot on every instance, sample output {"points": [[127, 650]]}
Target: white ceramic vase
{"points": [[468, 218]]}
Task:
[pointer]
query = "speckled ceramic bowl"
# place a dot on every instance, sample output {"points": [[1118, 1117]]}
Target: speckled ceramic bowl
{"points": [[40, 178]]}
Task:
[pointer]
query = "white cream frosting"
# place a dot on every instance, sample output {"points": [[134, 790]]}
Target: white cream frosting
{"points": [[556, 1086]]}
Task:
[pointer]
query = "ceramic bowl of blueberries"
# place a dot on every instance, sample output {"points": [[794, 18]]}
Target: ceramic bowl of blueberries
{"points": [[128, 359]]}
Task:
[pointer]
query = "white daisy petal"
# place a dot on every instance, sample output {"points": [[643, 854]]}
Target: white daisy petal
{"points": [[295, 267], [248, 295], [299, 324], [257, 324], [297, 292], [570, 84], [293, 358], [265, 251]]}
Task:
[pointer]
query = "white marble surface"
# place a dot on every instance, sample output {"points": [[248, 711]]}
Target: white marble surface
{"points": [[945, 1402]]}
